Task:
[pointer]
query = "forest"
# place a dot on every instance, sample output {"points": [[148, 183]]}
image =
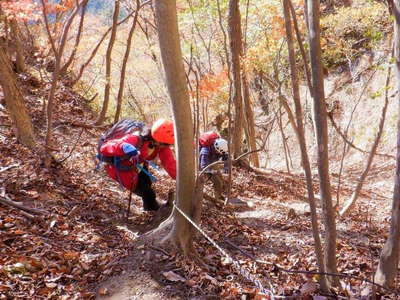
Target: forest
{"points": [[199, 149]]}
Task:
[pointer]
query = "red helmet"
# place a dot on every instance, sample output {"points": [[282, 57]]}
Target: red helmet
{"points": [[162, 131]]}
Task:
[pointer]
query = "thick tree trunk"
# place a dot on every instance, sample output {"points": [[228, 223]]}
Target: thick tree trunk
{"points": [[15, 103], [102, 116], [168, 34], [299, 128], [19, 50], [320, 118], [124, 63], [235, 41], [389, 259]]}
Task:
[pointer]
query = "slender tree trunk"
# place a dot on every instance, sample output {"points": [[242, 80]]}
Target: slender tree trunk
{"points": [[168, 34], [58, 53], [19, 50], [235, 37], [102, 116], [320, 117], [65, 67], [93, 54], [137, 106], [301, 47], [124, 63], [389, 259], [250, 120], [351, 202], [249, 114], [29, 35], [229, 66], [15, 103], [299, 128], [279, 116]]}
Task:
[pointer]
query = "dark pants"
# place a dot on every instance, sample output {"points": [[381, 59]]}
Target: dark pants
{"points": [[144, 190]]}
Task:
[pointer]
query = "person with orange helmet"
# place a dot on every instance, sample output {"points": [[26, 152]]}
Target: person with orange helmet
{"points": [[128, 157]]}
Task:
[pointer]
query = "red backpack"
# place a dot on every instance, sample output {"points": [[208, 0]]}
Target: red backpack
{"points": [[116, 132], [208, 138]]}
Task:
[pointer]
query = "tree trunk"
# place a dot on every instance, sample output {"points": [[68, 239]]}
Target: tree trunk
{"points": [[58, 53], [285, 151], [102, 116], [351, 202], [168, 34], [235, 37], [299, 129], [254, 159], [124, 63], [389, 259], [95, 49], [65, 67], [15, 103], [320, 117], [250, 121], [16, 36], [301, 46]]}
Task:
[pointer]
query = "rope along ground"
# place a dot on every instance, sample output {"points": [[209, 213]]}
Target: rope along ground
{"points": [[247, 275]]}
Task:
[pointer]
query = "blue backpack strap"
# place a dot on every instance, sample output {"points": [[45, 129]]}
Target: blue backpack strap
{"points": [[117, 164], [152, 178]]}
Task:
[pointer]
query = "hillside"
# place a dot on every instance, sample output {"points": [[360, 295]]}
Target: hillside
{"points": [[83, 238]]}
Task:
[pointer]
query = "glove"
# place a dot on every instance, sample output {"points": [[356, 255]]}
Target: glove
{"points": [[130, 150]]}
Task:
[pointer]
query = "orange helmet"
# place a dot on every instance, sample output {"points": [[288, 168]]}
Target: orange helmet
{"points": [[162, 131]]}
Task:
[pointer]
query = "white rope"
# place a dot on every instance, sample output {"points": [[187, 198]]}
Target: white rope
{"points": [[236, 264]]}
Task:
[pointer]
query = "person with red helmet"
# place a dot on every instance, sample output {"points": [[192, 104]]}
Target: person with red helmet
{"points": [[211, 149], [130, 156]]}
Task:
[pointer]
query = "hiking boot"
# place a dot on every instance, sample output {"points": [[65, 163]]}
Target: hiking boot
{"points": [[152, 206]]}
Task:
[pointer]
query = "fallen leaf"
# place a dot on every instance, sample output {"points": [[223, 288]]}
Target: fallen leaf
{"points": [[103, 291], [171, 276], [308, 288], [226, 261], [71, 255], [212, 279], [33, 194], [17, 268], [260, 297], [4, 288], [51, 285], [190, 282], [52, 223]]}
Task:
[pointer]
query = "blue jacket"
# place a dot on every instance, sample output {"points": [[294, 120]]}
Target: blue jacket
{"points": [[208, 155]]}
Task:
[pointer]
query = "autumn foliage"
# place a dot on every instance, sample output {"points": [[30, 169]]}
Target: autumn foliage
{"points": [[210, 84], [30, 10]]}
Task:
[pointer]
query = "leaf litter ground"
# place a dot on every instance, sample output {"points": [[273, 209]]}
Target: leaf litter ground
{"points": [[85, 248]]}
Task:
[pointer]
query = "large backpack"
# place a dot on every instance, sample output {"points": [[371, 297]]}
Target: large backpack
{"points": [[208, 138], [117, 131]]}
